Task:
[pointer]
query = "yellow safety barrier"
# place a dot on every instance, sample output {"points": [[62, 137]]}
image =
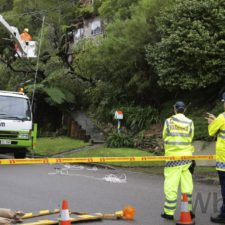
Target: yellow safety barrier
{"points": [[40, 213], [128, 213], [103, 159], [82, 218]]}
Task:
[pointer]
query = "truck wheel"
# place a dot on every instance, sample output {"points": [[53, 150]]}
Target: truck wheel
{"points": [[20, 153]]}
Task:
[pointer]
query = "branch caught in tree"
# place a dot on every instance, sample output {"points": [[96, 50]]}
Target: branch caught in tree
{"points": [[91, 81], [25, 72]]}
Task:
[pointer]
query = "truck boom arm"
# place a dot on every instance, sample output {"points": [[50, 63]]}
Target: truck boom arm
{"points": [[13, 31]]}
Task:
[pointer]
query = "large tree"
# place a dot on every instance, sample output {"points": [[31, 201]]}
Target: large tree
{"points": [[191, 51], [117, 60], [54, 78]]}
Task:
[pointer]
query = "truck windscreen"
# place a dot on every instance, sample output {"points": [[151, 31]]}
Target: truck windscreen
{"points": [[14, 108]]}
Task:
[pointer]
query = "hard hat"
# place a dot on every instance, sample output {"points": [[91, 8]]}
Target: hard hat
{"points": [[21, 90], [223, 97], [26, 30], [179, 105]]}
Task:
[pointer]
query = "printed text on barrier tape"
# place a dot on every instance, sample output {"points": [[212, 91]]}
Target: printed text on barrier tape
{"points": [[104, 159]]}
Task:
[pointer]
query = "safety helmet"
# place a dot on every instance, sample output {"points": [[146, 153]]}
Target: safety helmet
{"points": [[179, 105], [26, 30]]}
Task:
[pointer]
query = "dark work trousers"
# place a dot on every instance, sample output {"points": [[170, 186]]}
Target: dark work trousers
{"points": [[222, 185]]}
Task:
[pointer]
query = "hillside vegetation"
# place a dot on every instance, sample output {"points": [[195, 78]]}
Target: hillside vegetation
{"points": [[152, 53]]}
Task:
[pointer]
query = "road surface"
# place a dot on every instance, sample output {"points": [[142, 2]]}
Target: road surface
{"points": [[37, 187]]}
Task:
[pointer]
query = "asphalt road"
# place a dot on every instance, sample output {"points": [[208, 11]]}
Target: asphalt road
{"points": [[37, 187]]}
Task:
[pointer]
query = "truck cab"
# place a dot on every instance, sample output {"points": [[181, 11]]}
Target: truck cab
{"points": [[16, 125]]}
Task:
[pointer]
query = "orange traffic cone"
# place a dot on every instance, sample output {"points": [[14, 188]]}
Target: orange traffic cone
{"points": [[65, 215], [185, 216]]}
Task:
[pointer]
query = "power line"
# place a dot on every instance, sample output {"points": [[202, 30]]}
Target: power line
{"points": [[38, 57]]}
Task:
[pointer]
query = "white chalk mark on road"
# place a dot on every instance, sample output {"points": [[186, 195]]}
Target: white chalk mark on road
{"points": [[66, 170]]}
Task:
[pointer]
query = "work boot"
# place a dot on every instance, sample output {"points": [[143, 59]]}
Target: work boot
{"points": [[192, 215], [218, 219], [166, 216]]}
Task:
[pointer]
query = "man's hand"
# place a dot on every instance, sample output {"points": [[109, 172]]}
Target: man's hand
{"points": [[210, 117]]}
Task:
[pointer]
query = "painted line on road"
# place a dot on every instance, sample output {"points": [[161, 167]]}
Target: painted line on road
{"points": [[103, 159]]}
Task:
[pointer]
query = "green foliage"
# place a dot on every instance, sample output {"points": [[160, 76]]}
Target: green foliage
{"points": [[200, 123], [191, 52], [56, 95], [138, 118], [201, 126], [117, 61], [5, 5], [149, 47], [53, 78], [118, 140], [218, 108], [111, 9]]}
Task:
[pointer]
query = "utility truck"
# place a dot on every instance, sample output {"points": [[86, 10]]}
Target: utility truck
{"points": [[17, 131]]}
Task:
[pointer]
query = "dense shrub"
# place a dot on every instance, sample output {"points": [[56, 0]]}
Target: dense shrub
{"points": [[119, 140], [137, 118]]}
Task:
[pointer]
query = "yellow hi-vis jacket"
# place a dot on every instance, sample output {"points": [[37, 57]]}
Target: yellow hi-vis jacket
{"points": [[178, 133], [217, 127]]}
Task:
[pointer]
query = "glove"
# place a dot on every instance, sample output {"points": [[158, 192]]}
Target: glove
{"points": [[192, 167]]}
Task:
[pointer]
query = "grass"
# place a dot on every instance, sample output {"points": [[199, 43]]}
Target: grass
{"points": [[118, 152], [146, 167], [48, 146]]}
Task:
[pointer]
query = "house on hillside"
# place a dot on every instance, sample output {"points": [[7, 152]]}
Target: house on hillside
{"points": [[87, 26]]}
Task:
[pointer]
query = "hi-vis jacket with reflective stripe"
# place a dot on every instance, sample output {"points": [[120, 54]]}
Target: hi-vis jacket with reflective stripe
{"points": [[178, 133], [218, 127]]}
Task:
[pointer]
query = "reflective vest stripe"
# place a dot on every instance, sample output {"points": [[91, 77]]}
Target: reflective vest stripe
{"points": [[220, 165], [171, 202], [177, 163], [180, 134], [169, 207], [176, 143], [222, 131], [181, 121], [221, 136]]}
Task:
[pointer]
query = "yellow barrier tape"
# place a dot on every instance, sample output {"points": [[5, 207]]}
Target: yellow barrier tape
{"points": [[103, 159]]}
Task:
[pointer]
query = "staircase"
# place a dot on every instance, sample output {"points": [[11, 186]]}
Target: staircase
{"points": [[82, 127]]}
